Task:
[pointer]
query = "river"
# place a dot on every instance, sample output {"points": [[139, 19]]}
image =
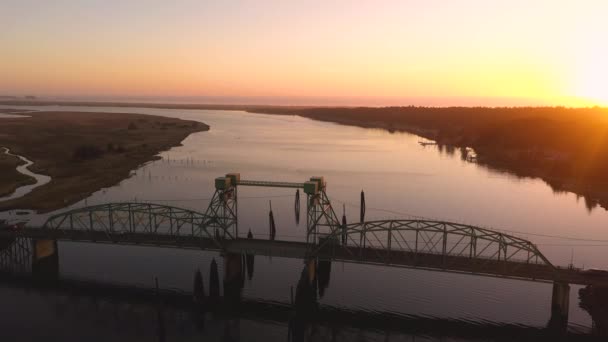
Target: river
{"points": [[400, 178], [24, 169]]}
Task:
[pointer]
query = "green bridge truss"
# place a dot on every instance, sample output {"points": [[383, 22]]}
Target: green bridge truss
{"points": [[122, 222]]}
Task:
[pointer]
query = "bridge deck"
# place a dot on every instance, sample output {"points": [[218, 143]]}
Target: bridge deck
{"points": [[292, 249]]}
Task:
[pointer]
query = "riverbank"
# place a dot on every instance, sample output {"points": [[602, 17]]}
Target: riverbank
{"points": [[565, 147], [562, 146], [24, 169], [82, 152]]}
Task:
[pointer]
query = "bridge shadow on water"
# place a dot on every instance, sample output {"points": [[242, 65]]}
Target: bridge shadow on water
{"points": [[216, 310]]}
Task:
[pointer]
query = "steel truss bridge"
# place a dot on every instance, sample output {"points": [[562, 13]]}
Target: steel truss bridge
{"points": [[439, 245], [426, 244]]}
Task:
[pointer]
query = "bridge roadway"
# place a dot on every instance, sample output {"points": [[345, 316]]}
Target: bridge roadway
{"points": [[291, 249]]}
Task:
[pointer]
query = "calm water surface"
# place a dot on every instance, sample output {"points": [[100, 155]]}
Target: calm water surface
{"points": [[401, 179]]}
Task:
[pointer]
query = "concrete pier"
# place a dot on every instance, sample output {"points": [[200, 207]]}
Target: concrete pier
{"points": [[233, 280], [45, 259], [214, 284], [560, 304]]}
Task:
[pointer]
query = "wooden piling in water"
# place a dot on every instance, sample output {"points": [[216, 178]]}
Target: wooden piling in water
{"points": [[271, 226], [362, 206]]}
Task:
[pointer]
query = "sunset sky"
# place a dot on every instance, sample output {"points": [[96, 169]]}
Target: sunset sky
{"points": [[541, 52]]}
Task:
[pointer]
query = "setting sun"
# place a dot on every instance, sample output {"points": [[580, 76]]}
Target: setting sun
{"points": [[532, 52], [585, 62], [592, 75]]}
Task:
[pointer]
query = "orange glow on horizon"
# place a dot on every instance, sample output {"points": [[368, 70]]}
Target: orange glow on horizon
{"points": [[550, 53]]}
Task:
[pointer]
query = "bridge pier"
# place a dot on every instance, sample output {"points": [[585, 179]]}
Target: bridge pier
{"points": [[45, 259], [311, 268], [214, 284], [250, 263], [305, 303], [323, 275], [560, 303], [233, 279], [198, 288], [306, 291]]}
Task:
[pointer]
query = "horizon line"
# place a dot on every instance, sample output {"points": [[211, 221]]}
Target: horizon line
{"points": [[72, 101]]}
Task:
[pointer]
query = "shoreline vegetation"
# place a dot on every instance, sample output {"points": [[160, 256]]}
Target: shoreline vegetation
{"points": [[565, 147], [82, 152]]}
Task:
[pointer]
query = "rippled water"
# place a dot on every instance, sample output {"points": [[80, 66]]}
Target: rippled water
{"points": [[400, 178]]}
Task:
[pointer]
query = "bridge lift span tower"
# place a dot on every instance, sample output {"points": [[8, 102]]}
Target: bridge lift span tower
{"points": [[321, 219]]}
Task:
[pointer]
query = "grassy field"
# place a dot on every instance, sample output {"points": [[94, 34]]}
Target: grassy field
{"points": [[82, 152]]}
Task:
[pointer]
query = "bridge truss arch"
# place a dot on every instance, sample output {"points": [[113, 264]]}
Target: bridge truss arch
{"points": [[442, 241], [123, 221]]}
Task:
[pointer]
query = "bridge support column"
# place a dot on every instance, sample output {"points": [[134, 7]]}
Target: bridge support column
{"points": [[560, 303], [321, 219], [223, 208], [214, 284], [306, 292], [311, 267], [305, 303], [233, 278], [323, 275], [45, 259]]}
